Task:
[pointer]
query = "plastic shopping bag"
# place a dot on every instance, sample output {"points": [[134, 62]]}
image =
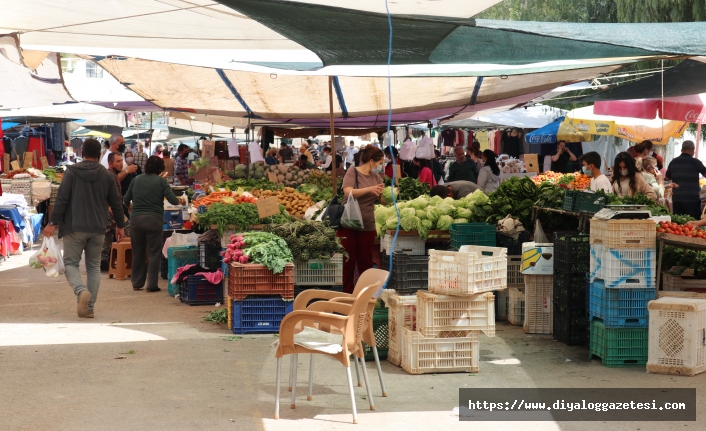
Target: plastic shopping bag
{"points": [[48, 257], [352, 218]]}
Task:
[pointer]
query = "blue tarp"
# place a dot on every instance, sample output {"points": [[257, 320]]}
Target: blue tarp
{"points": [[546, 134]]}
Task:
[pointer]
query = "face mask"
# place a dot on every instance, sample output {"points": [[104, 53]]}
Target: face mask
{"points": [[624, 173], [387, 160], [482, 162], [377, 169], [652, 153], [586, 170], [121, 148], [129, 160]]}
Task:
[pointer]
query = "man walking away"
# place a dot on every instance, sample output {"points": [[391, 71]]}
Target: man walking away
{"points": [[117, 145], [684, 172], [80, 210]]}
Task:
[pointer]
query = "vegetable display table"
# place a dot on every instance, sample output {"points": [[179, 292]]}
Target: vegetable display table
{"points": [[676, 241]]}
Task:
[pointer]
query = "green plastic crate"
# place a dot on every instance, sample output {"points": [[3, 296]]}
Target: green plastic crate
{"points": [[482, 234], [380, 328], [578, 201], [619, 347]]}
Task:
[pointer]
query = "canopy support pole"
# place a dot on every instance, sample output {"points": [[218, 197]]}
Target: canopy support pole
{"points": [[698, 138], [333, 138]]}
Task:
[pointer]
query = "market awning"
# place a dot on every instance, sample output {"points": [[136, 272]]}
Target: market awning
{"points": [[303, 100], [557, 131], [632, 129], [89, 114], [22, 86], [684, 79], [691, 109], [531, 117]]}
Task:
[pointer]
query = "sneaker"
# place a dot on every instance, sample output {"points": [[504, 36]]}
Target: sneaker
{"points": [[90, 315], [154, 289], [83, 299]]}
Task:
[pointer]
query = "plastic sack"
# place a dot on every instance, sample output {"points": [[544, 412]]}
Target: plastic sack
{"points": [[41, 191], [408, 150], [425, 149], [352, 218], [539, 235], [48, 257]]}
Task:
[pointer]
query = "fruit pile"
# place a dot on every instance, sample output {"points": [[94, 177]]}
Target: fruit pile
{"points": [[681, 230], [295, 203], [580, 182], [547, 177], [234, 251]]}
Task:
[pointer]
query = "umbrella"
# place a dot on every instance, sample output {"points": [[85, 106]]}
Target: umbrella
{"points": [[93, 133], [557, 131], [632, 129], [691, 109]]}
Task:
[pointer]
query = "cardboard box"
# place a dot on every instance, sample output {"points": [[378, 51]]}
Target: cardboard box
{"points": [[537, 258], [173, 219]]}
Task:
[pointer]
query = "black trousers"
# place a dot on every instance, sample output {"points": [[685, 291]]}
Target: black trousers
{"points": [[688, 208]]}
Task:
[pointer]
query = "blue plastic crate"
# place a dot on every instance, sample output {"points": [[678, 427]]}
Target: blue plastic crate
{"points": [[620, 308], [178, 257], [259, 315], [196, 290], [225, 267]]}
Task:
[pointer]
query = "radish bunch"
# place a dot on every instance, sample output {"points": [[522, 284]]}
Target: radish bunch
{"points": [[234, 252]]}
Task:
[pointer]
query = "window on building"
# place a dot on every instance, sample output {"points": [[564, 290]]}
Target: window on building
{"points": [[93, 70]]}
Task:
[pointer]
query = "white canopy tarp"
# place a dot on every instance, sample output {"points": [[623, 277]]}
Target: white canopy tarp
{"points": [[22, 87], [91, 115], [531, 117]]}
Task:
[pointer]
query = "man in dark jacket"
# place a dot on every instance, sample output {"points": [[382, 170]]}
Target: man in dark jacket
{"points": [[684, 171], [80, 210], [462, 169]]}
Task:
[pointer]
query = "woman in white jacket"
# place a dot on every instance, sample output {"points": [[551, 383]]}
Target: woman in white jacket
{"points": [[489, 176]]}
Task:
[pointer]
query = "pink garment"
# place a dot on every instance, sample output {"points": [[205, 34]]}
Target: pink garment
{"points": [[426, 176], [212, 277], [178, 273]]}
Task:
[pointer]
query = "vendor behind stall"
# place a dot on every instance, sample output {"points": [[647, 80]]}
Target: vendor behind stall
{"points": [[454, 189]]}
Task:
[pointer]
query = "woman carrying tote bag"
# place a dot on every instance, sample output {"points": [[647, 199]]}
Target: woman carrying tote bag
{"points": [[365, 184]]}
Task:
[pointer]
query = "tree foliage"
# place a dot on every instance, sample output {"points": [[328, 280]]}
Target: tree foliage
{"points": [[599, 10]]}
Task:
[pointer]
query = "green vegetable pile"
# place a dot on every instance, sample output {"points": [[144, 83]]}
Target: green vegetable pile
{"points": [[217, 317], [308, 240], [515, 197], [198, 164], [408, 188], [676, 256], [423, 213], [267, 249], [240, 215], [638, 199]]}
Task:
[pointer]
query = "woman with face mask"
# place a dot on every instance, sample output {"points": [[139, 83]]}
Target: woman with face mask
{"points": [[646, 149], [489, 175], [365, 183], [627, 181]]}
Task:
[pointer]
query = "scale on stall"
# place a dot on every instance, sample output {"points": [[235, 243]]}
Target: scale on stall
{"points": [[623, 212]]}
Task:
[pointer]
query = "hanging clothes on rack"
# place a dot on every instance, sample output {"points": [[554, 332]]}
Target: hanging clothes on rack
{"points": [[60, 134], [448, 138], [19, 148], [482, 138]]}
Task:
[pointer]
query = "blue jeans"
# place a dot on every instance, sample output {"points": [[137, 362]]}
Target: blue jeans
{"points": [[75, 245]]}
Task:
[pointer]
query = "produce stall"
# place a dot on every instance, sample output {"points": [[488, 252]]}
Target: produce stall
{"points": [[695, 240]]}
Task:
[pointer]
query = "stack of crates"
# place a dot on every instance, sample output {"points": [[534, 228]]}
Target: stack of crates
{"points": [[481, 234], [197, 290], [538, 304], [325, 274], [514, 276], [409, 274], [439, 329], [260, 298], [622, 282], [571, 263]]}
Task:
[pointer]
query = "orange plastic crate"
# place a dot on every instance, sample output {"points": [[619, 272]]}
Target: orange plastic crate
{"points": [[250, 279]]}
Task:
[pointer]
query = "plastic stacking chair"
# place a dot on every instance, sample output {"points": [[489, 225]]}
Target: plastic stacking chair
{"points": [[366, 279], [349, 320], [120, 260]]}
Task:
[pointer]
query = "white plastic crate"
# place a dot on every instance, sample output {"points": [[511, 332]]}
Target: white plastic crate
{"points": [[501, 304], [624, 233], [410, 244], [401, 313], [472, 269], [680, 294], [539, 311], [677, 336], [625, 267], [422, 355], [319, 272], [516, 306], [438, 314], [514, 276]]}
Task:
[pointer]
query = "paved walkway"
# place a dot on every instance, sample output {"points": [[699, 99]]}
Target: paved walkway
{"points": [[148, 362]]}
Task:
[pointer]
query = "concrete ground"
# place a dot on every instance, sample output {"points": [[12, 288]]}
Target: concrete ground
{"points": [[148, 362]]}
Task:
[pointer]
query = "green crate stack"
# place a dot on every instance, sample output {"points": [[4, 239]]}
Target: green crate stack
{"points": [[380, 328], [619, 347], [482, 234]]}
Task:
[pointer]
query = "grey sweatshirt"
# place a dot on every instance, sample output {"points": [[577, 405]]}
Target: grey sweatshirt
{"points": [[83, 199]]}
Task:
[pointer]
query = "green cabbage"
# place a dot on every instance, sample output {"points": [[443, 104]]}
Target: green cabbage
{"points": [[433, 214], [410, 223], [387, 194], [477, 198], [463, 213], [444, 222], [424, 228], [460, 221], [447, 209], [391, 223], [382, 213], [421, 215], [419, 203], [436, 200], [459, 203], [407, 212]]}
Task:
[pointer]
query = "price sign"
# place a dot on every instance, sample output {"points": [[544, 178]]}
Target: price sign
{"points": [[45, 162], [6, 163], [272, 177], [267, 207], [15, 165], [201, 174], [208, 149]]}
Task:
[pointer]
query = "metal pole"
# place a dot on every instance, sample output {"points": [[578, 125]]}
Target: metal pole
{"points": [[333, 139], [698, 138]]}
